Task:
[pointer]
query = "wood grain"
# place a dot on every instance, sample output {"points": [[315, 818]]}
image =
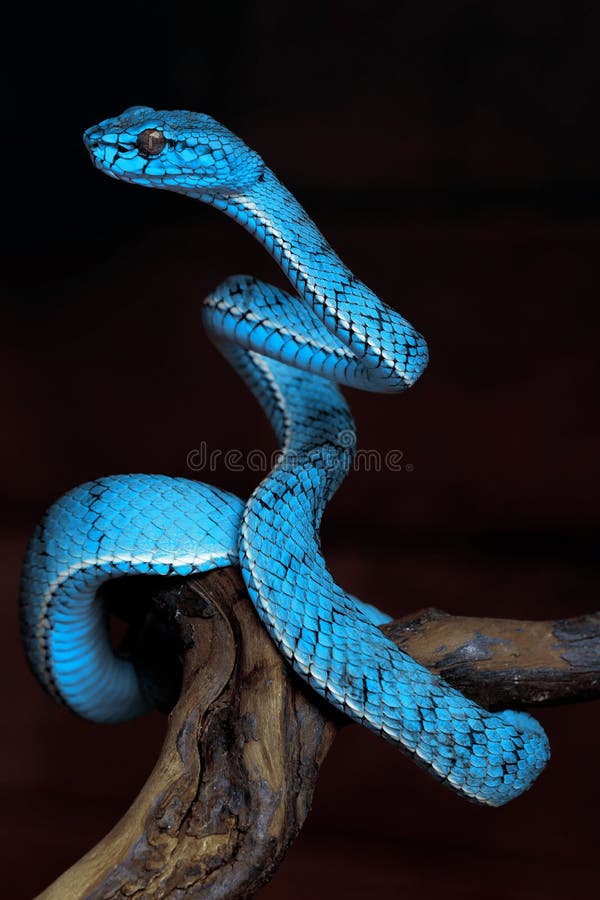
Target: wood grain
{"points": [[245, 738]]}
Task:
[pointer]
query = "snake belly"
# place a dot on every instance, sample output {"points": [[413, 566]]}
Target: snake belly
{"points": [[292, 350]]}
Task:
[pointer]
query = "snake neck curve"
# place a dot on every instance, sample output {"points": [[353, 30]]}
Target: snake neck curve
{"points": [[345, 305]]}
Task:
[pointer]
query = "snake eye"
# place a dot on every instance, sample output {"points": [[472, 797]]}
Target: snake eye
{"points": [[150, 142]]}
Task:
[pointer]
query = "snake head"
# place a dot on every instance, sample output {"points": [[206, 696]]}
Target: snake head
{"points": [[179, 151]]}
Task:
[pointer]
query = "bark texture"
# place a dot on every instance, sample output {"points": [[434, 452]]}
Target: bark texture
{"points": [[503, 663], [246, 737]]}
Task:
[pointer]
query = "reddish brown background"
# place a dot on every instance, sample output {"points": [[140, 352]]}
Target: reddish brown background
{"points": [[450, 153]]}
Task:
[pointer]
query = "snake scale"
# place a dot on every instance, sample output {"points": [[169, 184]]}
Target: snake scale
{"points": [[292, 350]]}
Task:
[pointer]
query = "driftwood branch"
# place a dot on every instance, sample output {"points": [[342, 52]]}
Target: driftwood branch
{"points": [[245, 738], [504, 663]]}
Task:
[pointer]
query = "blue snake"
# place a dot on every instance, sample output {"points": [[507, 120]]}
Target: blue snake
{"points": [[292, 350]]}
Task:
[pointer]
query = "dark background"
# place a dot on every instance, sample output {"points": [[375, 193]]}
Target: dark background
{"points": [[449, 151]]}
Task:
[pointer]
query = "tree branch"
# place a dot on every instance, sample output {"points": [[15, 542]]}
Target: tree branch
{"points": [[245, 740], [502, 663]]}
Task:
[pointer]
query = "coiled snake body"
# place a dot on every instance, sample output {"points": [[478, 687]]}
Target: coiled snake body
{"points": [[291, 349]]}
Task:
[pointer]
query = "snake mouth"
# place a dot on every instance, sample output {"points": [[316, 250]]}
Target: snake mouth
{"points": [[95, 145], [101, 164], [92, 140], [92, 137]]}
